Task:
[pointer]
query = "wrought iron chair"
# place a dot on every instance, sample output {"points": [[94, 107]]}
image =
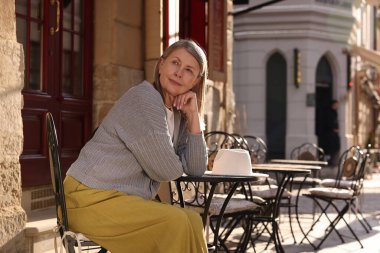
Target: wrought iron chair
{"points": [[338, 200], [343, 179], [69, 239], [270, 190], [258, 151], [309, 152], [238, 207], [257, 147]]}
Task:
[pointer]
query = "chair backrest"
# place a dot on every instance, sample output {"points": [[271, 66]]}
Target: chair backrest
{"points": [[351, 167], [55, 172], [216, 140], [361, 172], [308, 151], [241, 142], [257, 148]]}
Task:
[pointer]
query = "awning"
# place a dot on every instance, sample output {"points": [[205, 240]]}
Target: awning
{"points": [[371, 56]]}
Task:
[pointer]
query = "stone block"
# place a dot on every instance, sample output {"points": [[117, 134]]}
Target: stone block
{"points": [[229, 18], [7, 20], [104, 18], [112, 81], [128, 78], [229, 45], [12, 221], [11, 134], [100, 110], [130, 12], [153, 29], [150, 66], [229, 77], [12, 66], [10, 190], [126, 51], [105, 83]]}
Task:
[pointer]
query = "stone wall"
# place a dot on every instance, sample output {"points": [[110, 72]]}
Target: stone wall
{"points": [[220, 98], [230, 112], [12, 216], [127, 47], [118, 52], [127, 44]]}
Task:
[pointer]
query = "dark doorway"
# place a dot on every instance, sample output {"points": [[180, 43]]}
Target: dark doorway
{"points": [[323, 97], [276, 106]]}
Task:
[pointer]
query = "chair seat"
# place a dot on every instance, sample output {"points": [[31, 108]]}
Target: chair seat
{"points": [[309, 181], [330, 192], [235, 205], [256, 199], [346, 184], [266, 192]]}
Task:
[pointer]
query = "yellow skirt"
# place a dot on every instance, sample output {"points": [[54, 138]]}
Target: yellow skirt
{"points": [[131, 224]]}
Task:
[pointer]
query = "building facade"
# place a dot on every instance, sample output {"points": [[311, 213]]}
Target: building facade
{"points": [[75, 58], [12, 215], [291, 59]]}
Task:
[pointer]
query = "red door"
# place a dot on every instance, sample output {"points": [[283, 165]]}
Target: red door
{"points": [[56, 36]]}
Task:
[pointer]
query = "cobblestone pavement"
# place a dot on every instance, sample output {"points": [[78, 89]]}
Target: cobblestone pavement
{"points": [[370, 206]]}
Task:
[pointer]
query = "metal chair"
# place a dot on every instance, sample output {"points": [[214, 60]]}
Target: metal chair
{"points": [[308, 152], [69, 239], [339, 201], [257, 147], [343, 180], [239, 205], [271, 190], [216, 140]]}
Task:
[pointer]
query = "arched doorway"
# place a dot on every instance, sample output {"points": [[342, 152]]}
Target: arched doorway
{"points": [[276, 106], [323, 98]]}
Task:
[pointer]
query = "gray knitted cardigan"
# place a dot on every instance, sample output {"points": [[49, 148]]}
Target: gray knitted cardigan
{"points": [[132, 151]]}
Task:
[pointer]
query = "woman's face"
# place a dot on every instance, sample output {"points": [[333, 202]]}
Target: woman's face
{"points": [[179, 72]]}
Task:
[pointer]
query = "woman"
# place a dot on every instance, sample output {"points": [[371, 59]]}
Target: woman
{"points": [[152, 134]]}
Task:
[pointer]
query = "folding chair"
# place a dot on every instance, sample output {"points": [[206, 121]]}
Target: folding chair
{"points": [[257, 147], [339, 200], [271, 191], [343, 179], [69, 239], [239, 205], [308, 152]]}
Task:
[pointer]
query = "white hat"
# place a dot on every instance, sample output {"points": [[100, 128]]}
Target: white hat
{"points": [[232, 162]]}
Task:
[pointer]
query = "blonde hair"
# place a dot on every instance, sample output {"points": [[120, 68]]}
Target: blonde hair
{"points": [[195, 50]]}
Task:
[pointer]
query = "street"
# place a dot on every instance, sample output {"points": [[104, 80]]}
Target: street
{"points": [[370, 206]]}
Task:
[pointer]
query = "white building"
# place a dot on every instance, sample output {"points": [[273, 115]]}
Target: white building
{"points": [[290, 60]]}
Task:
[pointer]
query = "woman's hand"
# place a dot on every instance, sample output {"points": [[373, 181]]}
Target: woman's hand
{"points": [[187, 103]]}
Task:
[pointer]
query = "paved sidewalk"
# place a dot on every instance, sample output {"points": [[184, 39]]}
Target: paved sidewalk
{"points": [[370, 206]]}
